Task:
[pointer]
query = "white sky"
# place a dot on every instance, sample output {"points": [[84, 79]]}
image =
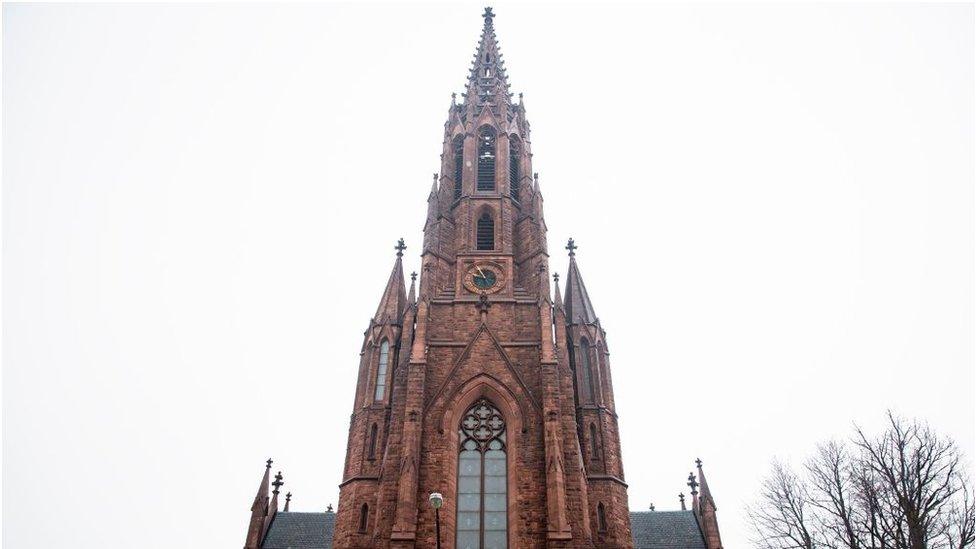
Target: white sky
{"points": [[774, 206]]}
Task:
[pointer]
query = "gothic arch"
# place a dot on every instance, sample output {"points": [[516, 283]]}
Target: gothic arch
{"points": [[468, 393]]}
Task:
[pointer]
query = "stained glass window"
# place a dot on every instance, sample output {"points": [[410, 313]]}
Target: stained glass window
{"points": [[381, 370], [482, 513]]}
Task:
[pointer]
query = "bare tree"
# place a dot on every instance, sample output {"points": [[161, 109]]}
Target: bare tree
{"points": [[904, 489]]}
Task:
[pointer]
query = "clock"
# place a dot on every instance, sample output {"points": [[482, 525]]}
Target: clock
{"points": [[484, 277]]}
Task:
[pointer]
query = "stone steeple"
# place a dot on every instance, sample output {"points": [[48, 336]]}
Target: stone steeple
{"points": [[579, 309], [394, 299]]}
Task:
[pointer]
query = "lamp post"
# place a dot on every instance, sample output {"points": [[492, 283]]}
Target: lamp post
{"points": [[436, 500]]}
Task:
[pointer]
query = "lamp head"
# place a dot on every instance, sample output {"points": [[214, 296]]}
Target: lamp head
{"points": [[436, 500]]}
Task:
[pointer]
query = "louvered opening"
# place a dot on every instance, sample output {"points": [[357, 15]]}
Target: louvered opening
{"points": [[486, 160], [458, 165], [514, 162], [486, 232]]}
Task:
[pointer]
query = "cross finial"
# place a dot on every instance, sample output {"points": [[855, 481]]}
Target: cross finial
{"points": [[269, 462], [287, 501], [698, 462], [413, 276], [681, 497], [652, 507], [277, 483], [488, 15], [692, 483], [329, 508], [571, 246], [400, 247], [453, 98], [555, 276]]}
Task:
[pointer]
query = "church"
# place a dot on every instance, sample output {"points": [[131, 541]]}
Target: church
{"points": [[484, 382]]}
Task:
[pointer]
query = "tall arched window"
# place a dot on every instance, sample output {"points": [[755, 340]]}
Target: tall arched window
{"points": [[458, 164], [381, 370], [587, 370], [363, 518], [514, 166], [372, 442], [486, 232], [486, 159], [482, 508], [594, 449], [601, 517]]}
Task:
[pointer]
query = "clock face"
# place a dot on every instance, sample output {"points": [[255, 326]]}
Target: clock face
{"points": [[484, 277]]}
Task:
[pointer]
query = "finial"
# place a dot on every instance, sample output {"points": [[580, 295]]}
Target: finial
{"points": [[681, 497], [652, 507], [329, 508], [269, 462], [488, 15], [571, 246], [453, 98], [698, 462], [520, 98], [435, 178], [277, 483], [693, 483], [413, 276], [287, 501], [555, 277], [400, 247]]}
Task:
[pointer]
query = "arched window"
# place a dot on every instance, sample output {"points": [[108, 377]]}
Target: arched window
{"points": [[601, 517], [458, 164], [372, 442], [594, 450], [514, 167], [363, 518], [486, 232], [381, 370], [486, 159], [482, 508], [587, 370]]}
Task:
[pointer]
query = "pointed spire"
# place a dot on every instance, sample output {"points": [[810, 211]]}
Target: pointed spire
{"points": [[579, 309], [412, 296], [487, 81], [558, 299], [261, 499], [706, 494], [287, 501], [394, 298]]}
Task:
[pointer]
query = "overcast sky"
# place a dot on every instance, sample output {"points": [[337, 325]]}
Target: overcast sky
{"points": [[774, 207]]}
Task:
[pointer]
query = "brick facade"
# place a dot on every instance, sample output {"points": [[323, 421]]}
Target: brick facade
{"points": [[451, 345]]}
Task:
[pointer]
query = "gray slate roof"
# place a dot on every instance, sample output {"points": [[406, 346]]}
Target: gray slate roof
{"points": [[300, 531], [651, 530], [666, 530]]}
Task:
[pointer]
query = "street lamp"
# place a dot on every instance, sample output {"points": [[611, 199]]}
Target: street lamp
{"points": [[436, 500]]}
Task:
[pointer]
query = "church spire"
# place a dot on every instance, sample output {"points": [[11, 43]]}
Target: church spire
{"points": [[487, 81], [558, 299], [579, 309], [394, 298], [706, 494]]}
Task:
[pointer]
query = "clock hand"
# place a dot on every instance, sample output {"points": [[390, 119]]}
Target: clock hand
{"points": [[480, 271]]}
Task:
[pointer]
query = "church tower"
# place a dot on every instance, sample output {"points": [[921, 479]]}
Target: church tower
{"points": [[476, 383]]}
